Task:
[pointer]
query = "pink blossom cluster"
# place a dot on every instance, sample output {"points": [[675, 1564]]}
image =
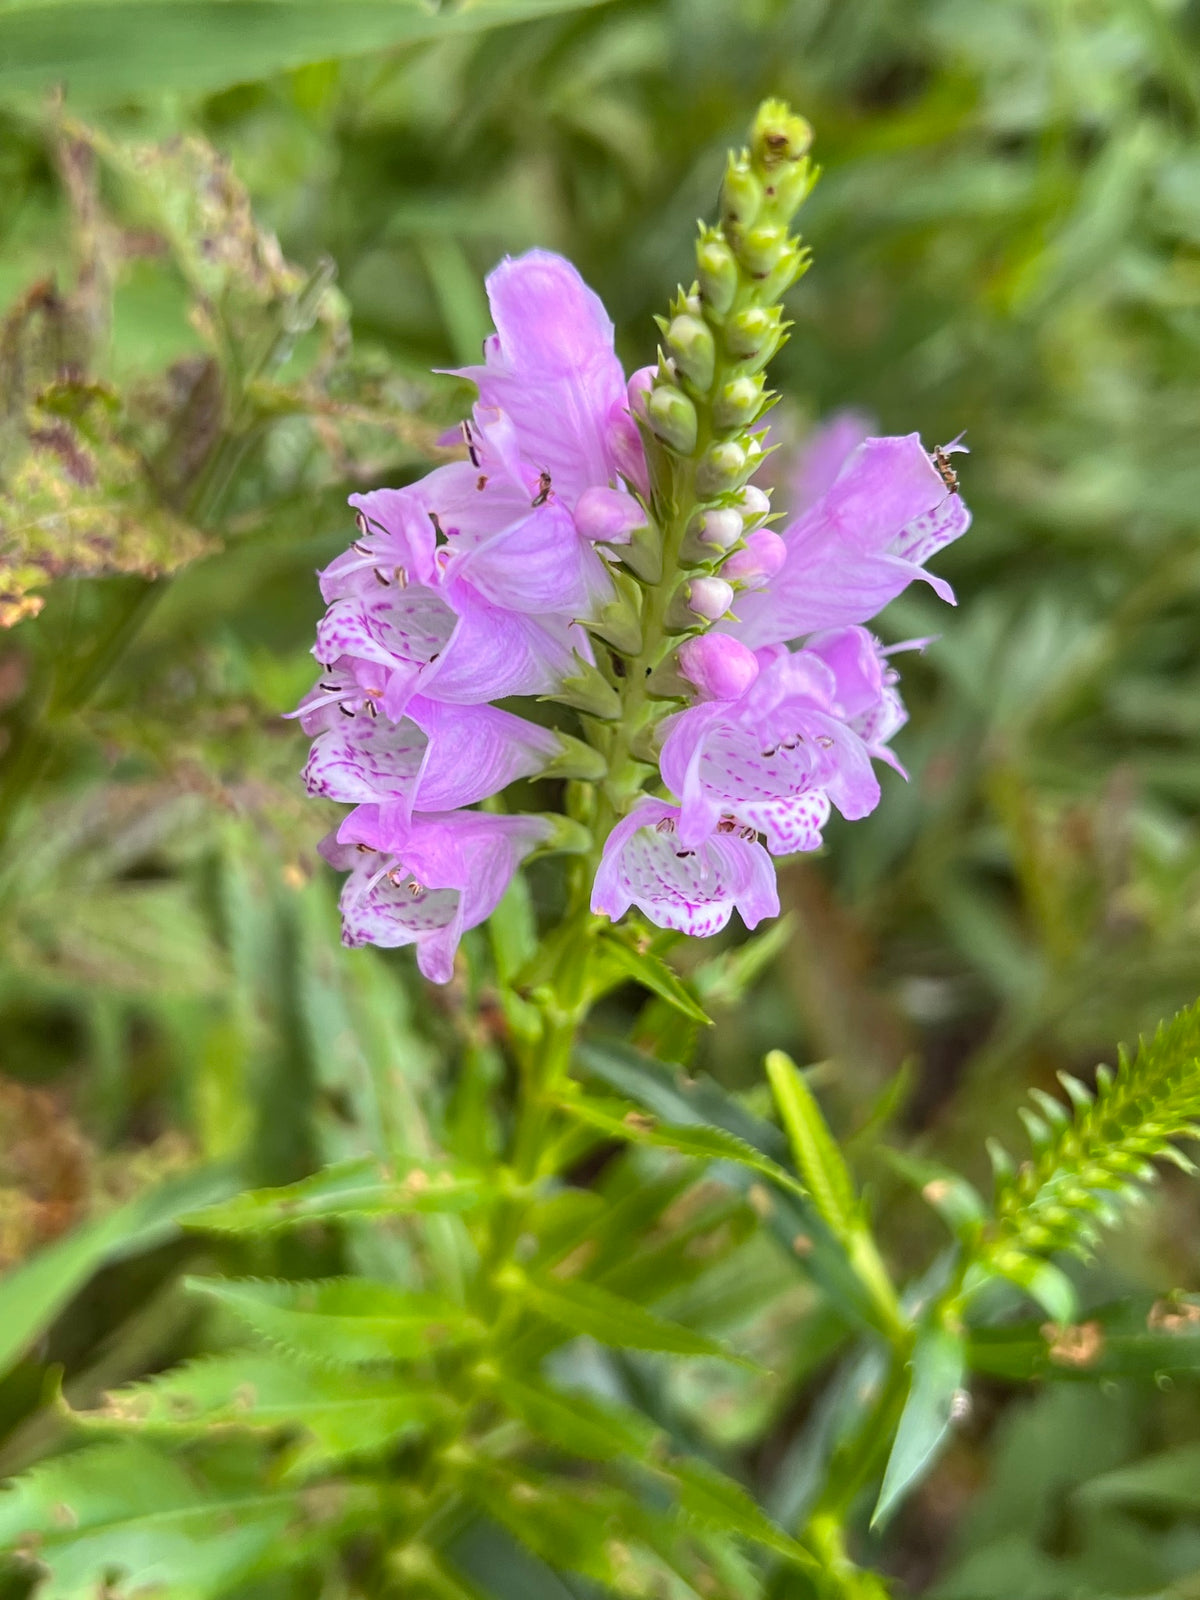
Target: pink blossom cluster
{"points": [[474, 586]]}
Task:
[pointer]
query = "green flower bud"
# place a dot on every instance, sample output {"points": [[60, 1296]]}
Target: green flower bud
{"points": [[761, 247], [672, 416], [710, 534], [739, 401], [722, 467], [741, 196], [718, 270], [753, 335], [794, 260], [778, 136], [698, 601], [691, 343]]}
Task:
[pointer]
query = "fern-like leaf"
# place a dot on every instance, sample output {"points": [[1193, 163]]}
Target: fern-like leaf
{"points": [[1092, 1159]]}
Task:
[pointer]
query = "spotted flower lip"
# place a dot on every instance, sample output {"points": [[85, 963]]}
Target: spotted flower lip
{"points": [[864, 541], [693, 889], [778, 756], [425, 880], [437, 757]]}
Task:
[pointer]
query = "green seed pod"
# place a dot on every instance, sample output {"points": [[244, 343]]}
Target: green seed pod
{"points": [[761, 247], [718, 270], [691, 343], [739, 401], [672, 416], [722, 467], [741, 196]]}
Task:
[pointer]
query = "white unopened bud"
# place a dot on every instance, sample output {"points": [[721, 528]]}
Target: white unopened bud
{"points": [[709, 598]]}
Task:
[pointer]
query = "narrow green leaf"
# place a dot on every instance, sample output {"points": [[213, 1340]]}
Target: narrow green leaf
{"points": [[575, 1423], [126, 1508], [109, 48], [956, 1201], [817, 1157], [349, 1189], [585, 1308], [624, 1121], [938, 1364], [1168, 1482], [1042, 1281], [33, 1294], [344, 1413], [718, 1502], [343, 1321], [651, 971], [1148, 1340]]}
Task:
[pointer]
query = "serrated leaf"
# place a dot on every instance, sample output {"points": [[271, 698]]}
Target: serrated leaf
{"points": [[575, 1423], [343, 1321], [649, 970], [624, 1121], [938, 1363], [124, 1508], [817, 1157], [718, 1502], [344, 1413], [585, 1308], [348, 1189]]}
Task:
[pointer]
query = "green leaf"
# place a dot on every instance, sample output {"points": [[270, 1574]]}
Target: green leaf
{"points": [[343, 1321], [651, 971], [585, 1308], [1153, 1341], [344, 1413], [34, 1293], [956, 1201], [104, 49], [1169, 1482], [938, 1364], [575, 1423], [817, 1157], [624, 1121], [718, 1502], [1041, 1281], [125, 1509], [348, 1189]]}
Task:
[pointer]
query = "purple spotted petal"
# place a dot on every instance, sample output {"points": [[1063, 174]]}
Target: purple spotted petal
{"points": [[858, 547], [424, 880], [694, 891], [437, 757]]}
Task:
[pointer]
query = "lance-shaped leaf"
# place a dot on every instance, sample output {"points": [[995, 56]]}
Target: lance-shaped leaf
{"points": [[343, 1321], [1148, 1340], [349, 1189], [621, 1120], [614, 960], [124, 1510], [938, 1363], [585, 1308], [716, 1501], [575, 1423], [344, 1413]]}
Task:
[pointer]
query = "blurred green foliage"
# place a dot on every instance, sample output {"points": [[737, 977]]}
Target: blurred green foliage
{"points": [[1007, 240]]}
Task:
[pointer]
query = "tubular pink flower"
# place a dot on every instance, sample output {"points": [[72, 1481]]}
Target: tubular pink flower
{"points": [[425, 880], [777, 757], [823, 454], [863, 542], [761, 557], [435, 758], [693, 889]]}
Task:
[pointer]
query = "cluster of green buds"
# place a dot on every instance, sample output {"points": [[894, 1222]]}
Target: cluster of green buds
{"points": [[701, 416]]}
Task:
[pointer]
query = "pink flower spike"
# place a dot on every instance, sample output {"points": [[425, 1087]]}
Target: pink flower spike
{"points": [[693, 890], [720, 667]]}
